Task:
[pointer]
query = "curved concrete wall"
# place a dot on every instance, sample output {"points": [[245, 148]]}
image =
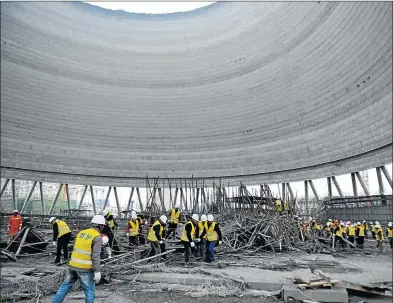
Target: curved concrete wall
{"points": [[265, 92]]}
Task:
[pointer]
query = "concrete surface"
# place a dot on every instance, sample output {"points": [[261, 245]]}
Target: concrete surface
{"points": [[286, 91], [336, 295]]}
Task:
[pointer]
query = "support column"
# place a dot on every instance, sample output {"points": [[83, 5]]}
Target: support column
{"points": [[387, 175], [68, 200], [83, 197], [380, 181], [314, 189], [93, 201], [42, 199], [4, 187], [306, 195], [174, 203], [337, 185], [55, 200], [360, 178], [139, 199], [160, 195], [107, 197], [117, 201], [329, 183], [28, 197], [14, 195], [130, 199], [290, 191], [283, 191], [354, 186]]}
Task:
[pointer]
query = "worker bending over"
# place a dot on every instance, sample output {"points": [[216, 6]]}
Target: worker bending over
{"points": [[85, 261], [213, 234], [201, 244], [14, 224], [187, 237], [109, 229], [389, 234], [61, 238], [174, 219], [132, 230], [155, 236], [379, 236]]}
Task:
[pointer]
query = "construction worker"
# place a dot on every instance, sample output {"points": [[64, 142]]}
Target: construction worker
{"points": [[85, 261], [187, 237], [201, 244], [109, 229], [366, 229], [278, 206], [379, 235], [174, 219], [372, 227], [155, 236], [141, 221], [14, 224], [338, 234], [286, 207], [61, 238], [360, 235], [213, 234], [389, 234], [132, 230], [351, 233]]}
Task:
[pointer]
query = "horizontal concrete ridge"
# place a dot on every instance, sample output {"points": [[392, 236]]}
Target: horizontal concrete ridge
{"points": [[334, 295], [265, 92]]}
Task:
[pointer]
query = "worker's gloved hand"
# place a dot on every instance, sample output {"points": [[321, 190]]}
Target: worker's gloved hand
{"points": [[54, 243], [196, 240], [97, 277], [127, 234], [219, 242], [163, 239], [161, 242], [192, 244]]}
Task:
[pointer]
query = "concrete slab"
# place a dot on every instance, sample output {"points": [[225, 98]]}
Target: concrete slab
{"points": [[335, 295]]}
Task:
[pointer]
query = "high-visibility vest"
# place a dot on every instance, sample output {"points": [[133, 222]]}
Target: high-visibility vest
{"points": [[201, 228], [390, 232], [286, 206], [361, 230], [152, 234], [372, 228], [318, 227], [351, 231], [81, 255], [175, 216], [184, 233], [278, 205], [211, 234], [339, 232], [63, 228], [379, 234], [134, 230], [366, 226]]}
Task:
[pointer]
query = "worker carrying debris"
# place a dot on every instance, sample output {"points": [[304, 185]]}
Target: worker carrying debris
{"points": [[61, 238], [14, 224], [155, 236], [201, 244], [109, 229], [379, 236], [187, 237], [213, 234], [132, 230], [85, 261], [389, 234], [174, 219]]}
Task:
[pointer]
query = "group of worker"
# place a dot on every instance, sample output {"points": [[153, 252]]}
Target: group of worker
{"points": [[281, 206], [355, 233]]}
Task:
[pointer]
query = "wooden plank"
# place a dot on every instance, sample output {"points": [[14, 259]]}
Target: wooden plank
{"points": [[365, 289]]}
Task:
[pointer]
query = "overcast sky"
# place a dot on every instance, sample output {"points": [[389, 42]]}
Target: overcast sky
{"points": [[152, 7]]}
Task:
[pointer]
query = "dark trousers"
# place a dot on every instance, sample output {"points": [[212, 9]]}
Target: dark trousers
{"points": [[163, 249], [338, 239], [62, 244], [155, 249], [210, 251], [373, 233], [187, 251], [133, 240], [172, 230], [351, 239], [200, 247], [391, 242], [360, 241]]}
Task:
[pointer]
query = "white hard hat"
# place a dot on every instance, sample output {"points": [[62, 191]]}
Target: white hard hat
{"points": [[364, 221], [134, 216], [342, 224], [195, 217], [330, 220], [210, 218], [51, 219], [15, 211], [377, 225], [105, 212], [105, 239], [371, 222], [98, 219], [376, 222], [390, 224], [163, 219], [358, 223], [203, 218]]}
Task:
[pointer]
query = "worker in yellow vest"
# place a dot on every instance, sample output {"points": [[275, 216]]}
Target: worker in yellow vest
{"points": [[201, 243], [389, 234], [278, 206], [213, 234], [379, 236], [85, 261], [187, 237], [338, 234], [173, 222], [360, 235], [61, 238], [372, 227], [155, 236], [109, 229], [351, 233], [132, 230], [366, 229], [286, 207]]}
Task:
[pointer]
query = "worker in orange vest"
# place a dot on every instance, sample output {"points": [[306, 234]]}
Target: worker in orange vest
{"points": [[14, 224]]}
